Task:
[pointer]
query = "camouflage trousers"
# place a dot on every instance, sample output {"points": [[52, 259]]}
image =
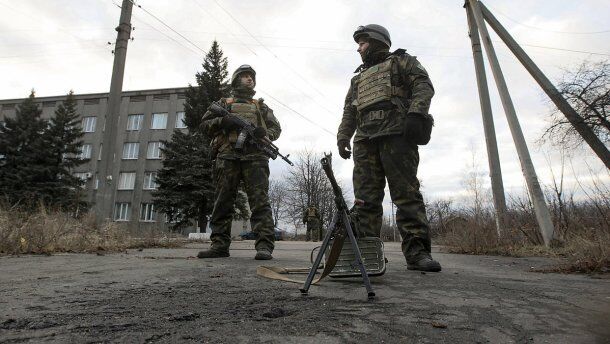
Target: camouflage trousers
{"points": [[255, 175], [391, 157], [314, 231]]}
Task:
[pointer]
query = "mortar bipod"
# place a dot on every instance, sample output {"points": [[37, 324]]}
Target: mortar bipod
{"points": [[339, 226], [336, 231]]}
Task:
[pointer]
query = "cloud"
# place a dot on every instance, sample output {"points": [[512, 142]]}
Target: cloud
{"points": [[305, 56]]}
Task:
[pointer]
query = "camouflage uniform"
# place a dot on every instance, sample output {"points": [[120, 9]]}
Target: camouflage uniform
{"points": [[248, 165], [382, 150], [311, 217]]}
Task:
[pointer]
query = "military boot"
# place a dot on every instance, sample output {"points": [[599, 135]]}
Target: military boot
{"points": [[211, 253], [263, 254], [424, 263]]}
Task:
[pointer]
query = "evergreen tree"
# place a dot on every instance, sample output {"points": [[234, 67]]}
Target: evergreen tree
{"points": [[212, 85], [185, 183], [64, 141], [185, 188], [24, 156]]}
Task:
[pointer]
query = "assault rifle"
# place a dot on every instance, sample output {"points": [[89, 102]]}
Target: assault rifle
{"points": [[339, 227], [246, 134]]}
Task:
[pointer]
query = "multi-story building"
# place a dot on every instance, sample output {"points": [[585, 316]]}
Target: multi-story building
{"points": [[146, 118]]}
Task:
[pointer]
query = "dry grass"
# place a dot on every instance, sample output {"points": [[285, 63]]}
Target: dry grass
{"points": [[587, 252], [583, 251], [47, 232]]}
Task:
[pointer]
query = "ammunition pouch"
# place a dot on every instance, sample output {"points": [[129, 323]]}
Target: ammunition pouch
{"points": [[371, 250], [418, 128]]}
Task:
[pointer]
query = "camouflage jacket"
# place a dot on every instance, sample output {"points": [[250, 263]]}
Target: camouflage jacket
{"points": [[307, 217], [411, 77], [222, 144]]}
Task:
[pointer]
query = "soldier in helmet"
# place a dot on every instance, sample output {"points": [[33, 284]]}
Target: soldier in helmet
{"points": [[387, 108], [234, 166], [311, 217]]}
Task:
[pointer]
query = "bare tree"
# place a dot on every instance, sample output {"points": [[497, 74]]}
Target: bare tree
{"points": [[440, 213], [588, 91], [473, 181], [306, 185], [277, 198]]}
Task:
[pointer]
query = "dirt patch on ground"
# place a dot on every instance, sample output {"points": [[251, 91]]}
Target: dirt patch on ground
{"points": [[165, 295]]}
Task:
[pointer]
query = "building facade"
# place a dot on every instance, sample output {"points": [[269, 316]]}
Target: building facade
{"points": [[146, 118]]}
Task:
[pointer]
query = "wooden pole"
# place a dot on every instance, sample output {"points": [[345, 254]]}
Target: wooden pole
{"points": [[543, 215], [495, 171], [575, 119], [104, 201]]}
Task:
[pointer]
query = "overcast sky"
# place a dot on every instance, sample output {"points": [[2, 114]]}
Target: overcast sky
{"points": [[304, 56]]}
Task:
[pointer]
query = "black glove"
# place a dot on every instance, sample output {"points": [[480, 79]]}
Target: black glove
{"points": [[414, 127], [345, 150], [260, 132], [228, 122]]}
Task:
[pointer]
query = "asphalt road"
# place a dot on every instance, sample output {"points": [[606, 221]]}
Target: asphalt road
{"points": [[167, 295]]}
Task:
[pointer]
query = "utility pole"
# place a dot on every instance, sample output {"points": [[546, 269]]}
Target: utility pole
{"points": [[104, 200], [495, 171], [571, 115], [543, 215]]}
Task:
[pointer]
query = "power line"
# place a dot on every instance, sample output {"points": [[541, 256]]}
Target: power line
{"points": [[299, 114], [275, 99], [554, 31], [221, 23], [168, 36], [562, 49], [273, 54], [408, 47], [167, 26], [159, 31], [261, 44]]}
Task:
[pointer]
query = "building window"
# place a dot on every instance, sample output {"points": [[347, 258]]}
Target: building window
{"points": [[147, 212], [96, 184], [85, 152], [127, 180], [159, 121], [180, 120], [130, 150], [89, 124], [150, 182], [134, 122], [122, 211], [154, 150], [99, 154]]}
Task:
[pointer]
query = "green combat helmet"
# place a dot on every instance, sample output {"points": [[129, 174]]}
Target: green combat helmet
{"points": [[243, 69], [374, 31]]}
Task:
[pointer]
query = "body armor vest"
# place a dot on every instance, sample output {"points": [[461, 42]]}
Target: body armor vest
{"points": [[246, 111], [311, 212], [374, 85]]}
